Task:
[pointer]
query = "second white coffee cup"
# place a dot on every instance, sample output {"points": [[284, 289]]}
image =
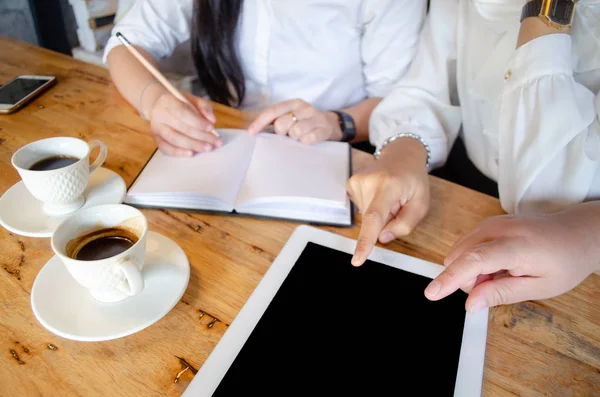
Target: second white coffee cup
{"points": [[113, 278]]}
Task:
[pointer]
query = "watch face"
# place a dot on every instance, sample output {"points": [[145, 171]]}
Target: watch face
{"points": [[348, 124], [561, 11]]}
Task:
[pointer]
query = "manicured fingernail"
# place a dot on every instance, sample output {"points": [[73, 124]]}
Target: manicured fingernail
{"points": [[477, 306], [386, 237], [208, 148], [433, 289]]}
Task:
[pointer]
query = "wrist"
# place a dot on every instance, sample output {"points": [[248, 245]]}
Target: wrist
{"points": [[406, 149], [544, 17], [418, 141], [334, 122], [149, 99], [533, 28], [581, 224]]}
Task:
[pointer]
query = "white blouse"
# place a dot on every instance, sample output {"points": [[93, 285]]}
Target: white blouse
{"points": [[330, 53], [529, 116]]}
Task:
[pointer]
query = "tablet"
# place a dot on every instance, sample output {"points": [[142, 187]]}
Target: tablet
{"points": [[316, 325]]}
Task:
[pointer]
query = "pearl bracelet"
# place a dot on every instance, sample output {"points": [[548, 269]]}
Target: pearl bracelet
{"points": [[404, 135]]}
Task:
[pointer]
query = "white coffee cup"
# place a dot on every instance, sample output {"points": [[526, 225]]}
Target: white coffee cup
{"points": [[61, 189], [112, 279]]}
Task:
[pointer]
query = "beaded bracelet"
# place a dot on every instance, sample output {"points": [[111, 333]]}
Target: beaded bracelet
{"points": [[404, 135]]}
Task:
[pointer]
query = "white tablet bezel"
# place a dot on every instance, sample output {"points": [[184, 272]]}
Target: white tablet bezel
{"points": [[469, 378]]}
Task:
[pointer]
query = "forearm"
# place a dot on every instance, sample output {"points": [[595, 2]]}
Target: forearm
{"points": [[548, 158], [131, 77], [547, 155], [583, 221], [361, 113]]}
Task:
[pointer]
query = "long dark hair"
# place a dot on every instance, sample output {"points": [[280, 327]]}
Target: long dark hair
{"points": [[215, 51]]}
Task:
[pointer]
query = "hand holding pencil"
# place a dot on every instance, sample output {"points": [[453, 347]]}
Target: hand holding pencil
{"points": [[182, 124]]}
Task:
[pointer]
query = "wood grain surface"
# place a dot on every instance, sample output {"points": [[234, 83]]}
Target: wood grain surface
{"points": [[549, 348]]}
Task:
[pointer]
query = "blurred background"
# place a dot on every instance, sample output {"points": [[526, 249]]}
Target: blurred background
{"points": [[81, 28]]}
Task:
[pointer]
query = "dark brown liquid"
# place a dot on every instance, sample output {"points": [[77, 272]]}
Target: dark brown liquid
{"points": [[101, 244], [53, 163]]}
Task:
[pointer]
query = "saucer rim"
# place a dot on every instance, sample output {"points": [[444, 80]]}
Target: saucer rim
{"points": [[134, 330], [23, 233]]}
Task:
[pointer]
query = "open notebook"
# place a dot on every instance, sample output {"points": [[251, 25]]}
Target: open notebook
{"points": [[266, 175]]}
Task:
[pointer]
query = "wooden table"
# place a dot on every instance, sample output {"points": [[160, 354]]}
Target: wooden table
{"points": [[534, 348]]}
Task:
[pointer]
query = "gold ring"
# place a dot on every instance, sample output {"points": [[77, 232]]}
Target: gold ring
{"points": [[294, 117]]}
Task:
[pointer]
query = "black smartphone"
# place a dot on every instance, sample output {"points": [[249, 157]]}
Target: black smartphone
{"points": [[22, 89]]}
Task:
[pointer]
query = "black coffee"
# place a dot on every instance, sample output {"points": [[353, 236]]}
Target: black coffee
{"points": [[53, 163], [101, 244], [103, 248]]}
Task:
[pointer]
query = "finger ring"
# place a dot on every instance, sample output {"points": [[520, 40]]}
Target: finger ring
{"points": [[293, 117]]}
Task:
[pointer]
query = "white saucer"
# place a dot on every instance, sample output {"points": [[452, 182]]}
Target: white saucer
{"points": [[22, 214], [67, 309]]}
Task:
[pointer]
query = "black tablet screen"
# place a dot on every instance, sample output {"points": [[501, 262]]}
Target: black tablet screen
{"points": [[333, 329]]}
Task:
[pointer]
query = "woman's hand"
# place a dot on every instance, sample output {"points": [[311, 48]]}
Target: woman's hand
{"points": [[300, 121], [508, 259], [180, 129], [392, 195]]}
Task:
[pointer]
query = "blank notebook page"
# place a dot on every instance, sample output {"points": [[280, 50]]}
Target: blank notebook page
{"points": [[284, 168], [219, 173]]}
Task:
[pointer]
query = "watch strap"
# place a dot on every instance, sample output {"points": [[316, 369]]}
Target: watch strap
{"points": [[347, 126], [532, 8]]}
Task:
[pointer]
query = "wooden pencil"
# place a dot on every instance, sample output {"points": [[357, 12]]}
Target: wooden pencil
{"points": [[157, 74]]}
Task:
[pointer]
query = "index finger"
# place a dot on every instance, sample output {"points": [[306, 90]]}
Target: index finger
{"points": [[482, 259], [491, 228], [203, 106], [188, 121], [192, 117], [272, 113], [374, 219]]}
